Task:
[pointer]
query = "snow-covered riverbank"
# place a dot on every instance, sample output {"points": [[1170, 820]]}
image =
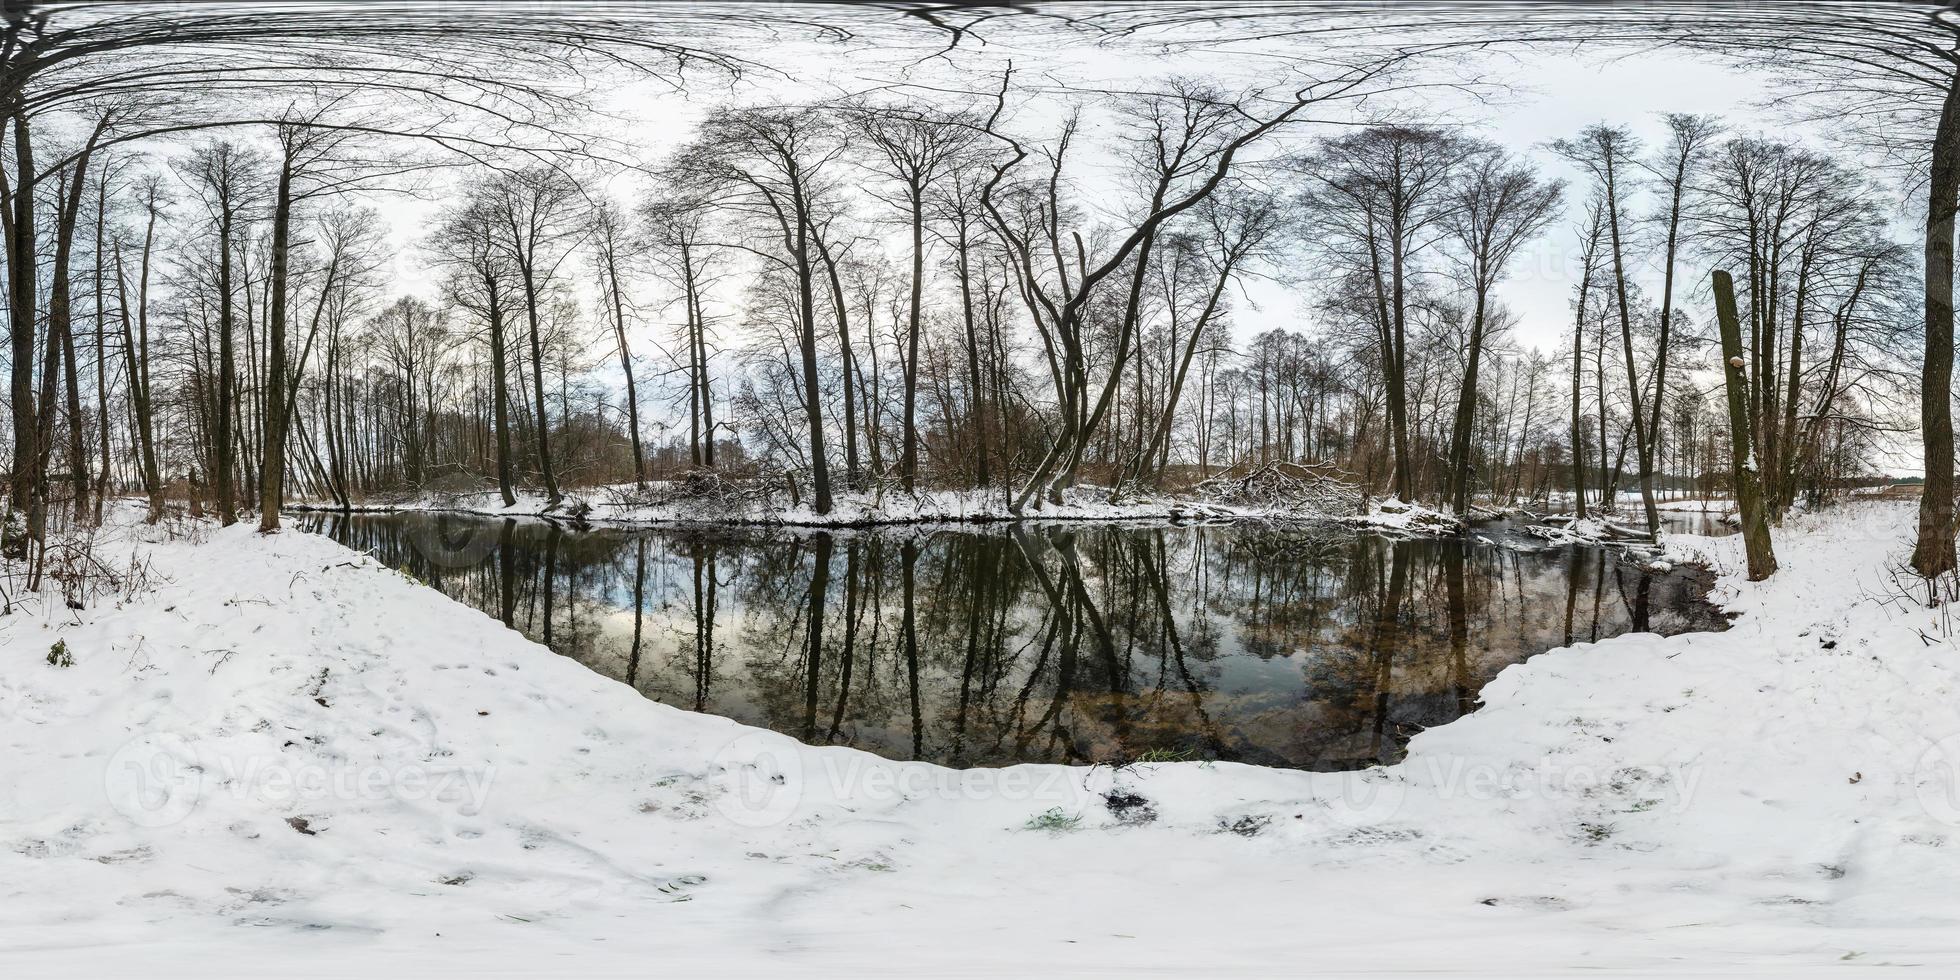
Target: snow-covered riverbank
{"points": [[278, 758], [624, 506]]}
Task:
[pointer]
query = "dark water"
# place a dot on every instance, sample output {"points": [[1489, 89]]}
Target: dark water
{"points": [[1312, 649], [1707, 523]]}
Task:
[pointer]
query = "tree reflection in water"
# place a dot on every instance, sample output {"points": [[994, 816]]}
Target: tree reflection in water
{"points": [[1045, 643]]}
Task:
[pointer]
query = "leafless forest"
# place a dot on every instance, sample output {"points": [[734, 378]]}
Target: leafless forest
{"points": [[971, 273]]}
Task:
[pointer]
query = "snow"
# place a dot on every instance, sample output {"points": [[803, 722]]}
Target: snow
{"points": [[623, 505], [1779, 797], [1713, 505]]}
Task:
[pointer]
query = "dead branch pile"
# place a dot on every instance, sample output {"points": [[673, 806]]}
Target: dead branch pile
{"points": [[1313, 488], [705, 489], [1562, 529]]}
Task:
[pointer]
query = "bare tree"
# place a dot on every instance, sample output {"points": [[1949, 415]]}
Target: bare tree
{"points": [[535, 210], [1377, 198], [1591, 233], [482, 279], [1502, 204], [773, 167], [607, 236], [1689, 139], [676, 229], [914, 150], [1186, 145], [1603, 151], [225, 178]]}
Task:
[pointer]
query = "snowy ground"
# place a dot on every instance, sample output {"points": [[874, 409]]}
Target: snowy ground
{"points": [[622, 505], [276, 758]]}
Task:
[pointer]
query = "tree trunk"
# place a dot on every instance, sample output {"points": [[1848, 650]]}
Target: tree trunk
{"points": [[227, 374], [61, 317], [976, 390], [136, 344], [1933, 553], [908, 467], [626, 366], [552, 496], [272, 441], [1642, 451], [1748, 488], [852, 476], [1578, 422], [21, 283], [813, 406], [101, 348], [1466, 410]]}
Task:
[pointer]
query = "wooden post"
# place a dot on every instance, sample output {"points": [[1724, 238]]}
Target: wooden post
{"points": [[1748, 488]]}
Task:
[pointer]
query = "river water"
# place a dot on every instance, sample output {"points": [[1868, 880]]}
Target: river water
{"points": [[1312, 648]]}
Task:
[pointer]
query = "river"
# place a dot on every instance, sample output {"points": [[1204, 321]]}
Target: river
{"points": [[1312, 648]]}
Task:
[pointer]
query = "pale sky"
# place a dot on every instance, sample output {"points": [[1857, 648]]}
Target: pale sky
{"points": [[1554, 96], [1548, 95]]}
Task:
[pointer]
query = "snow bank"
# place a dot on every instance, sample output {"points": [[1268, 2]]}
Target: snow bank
{"points": [[282, 759], [625, 505]]}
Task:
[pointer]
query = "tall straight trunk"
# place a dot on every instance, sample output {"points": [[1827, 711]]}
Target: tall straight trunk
{"points": [[152, 468], [248, 402], [1578, 425], [1466, 408], [1933, 553], [1748, 483], [1783, 485], [849, 357], [1398, 405], [626, 366], [101, 348], [702, 387], [499, 387], [272, 440], [22, 279], [61, 315], [552, 496], [227, 374], [136, 345], [806, 309], [1786, 488], [1609, 477], [908, 466], [1642, 451], [77, 452], [330, 428], [976, 391], [44, 433], [1392, 382], [1667, 301]]}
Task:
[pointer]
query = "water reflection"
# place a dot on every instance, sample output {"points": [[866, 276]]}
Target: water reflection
{"points": [[1318, 650]]}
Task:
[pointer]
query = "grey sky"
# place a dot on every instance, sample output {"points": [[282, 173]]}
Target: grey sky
{"points": [[1546, 95]]}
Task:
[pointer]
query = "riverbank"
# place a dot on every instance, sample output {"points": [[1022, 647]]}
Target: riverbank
{"points": [[625, 506], [266, 748]]}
